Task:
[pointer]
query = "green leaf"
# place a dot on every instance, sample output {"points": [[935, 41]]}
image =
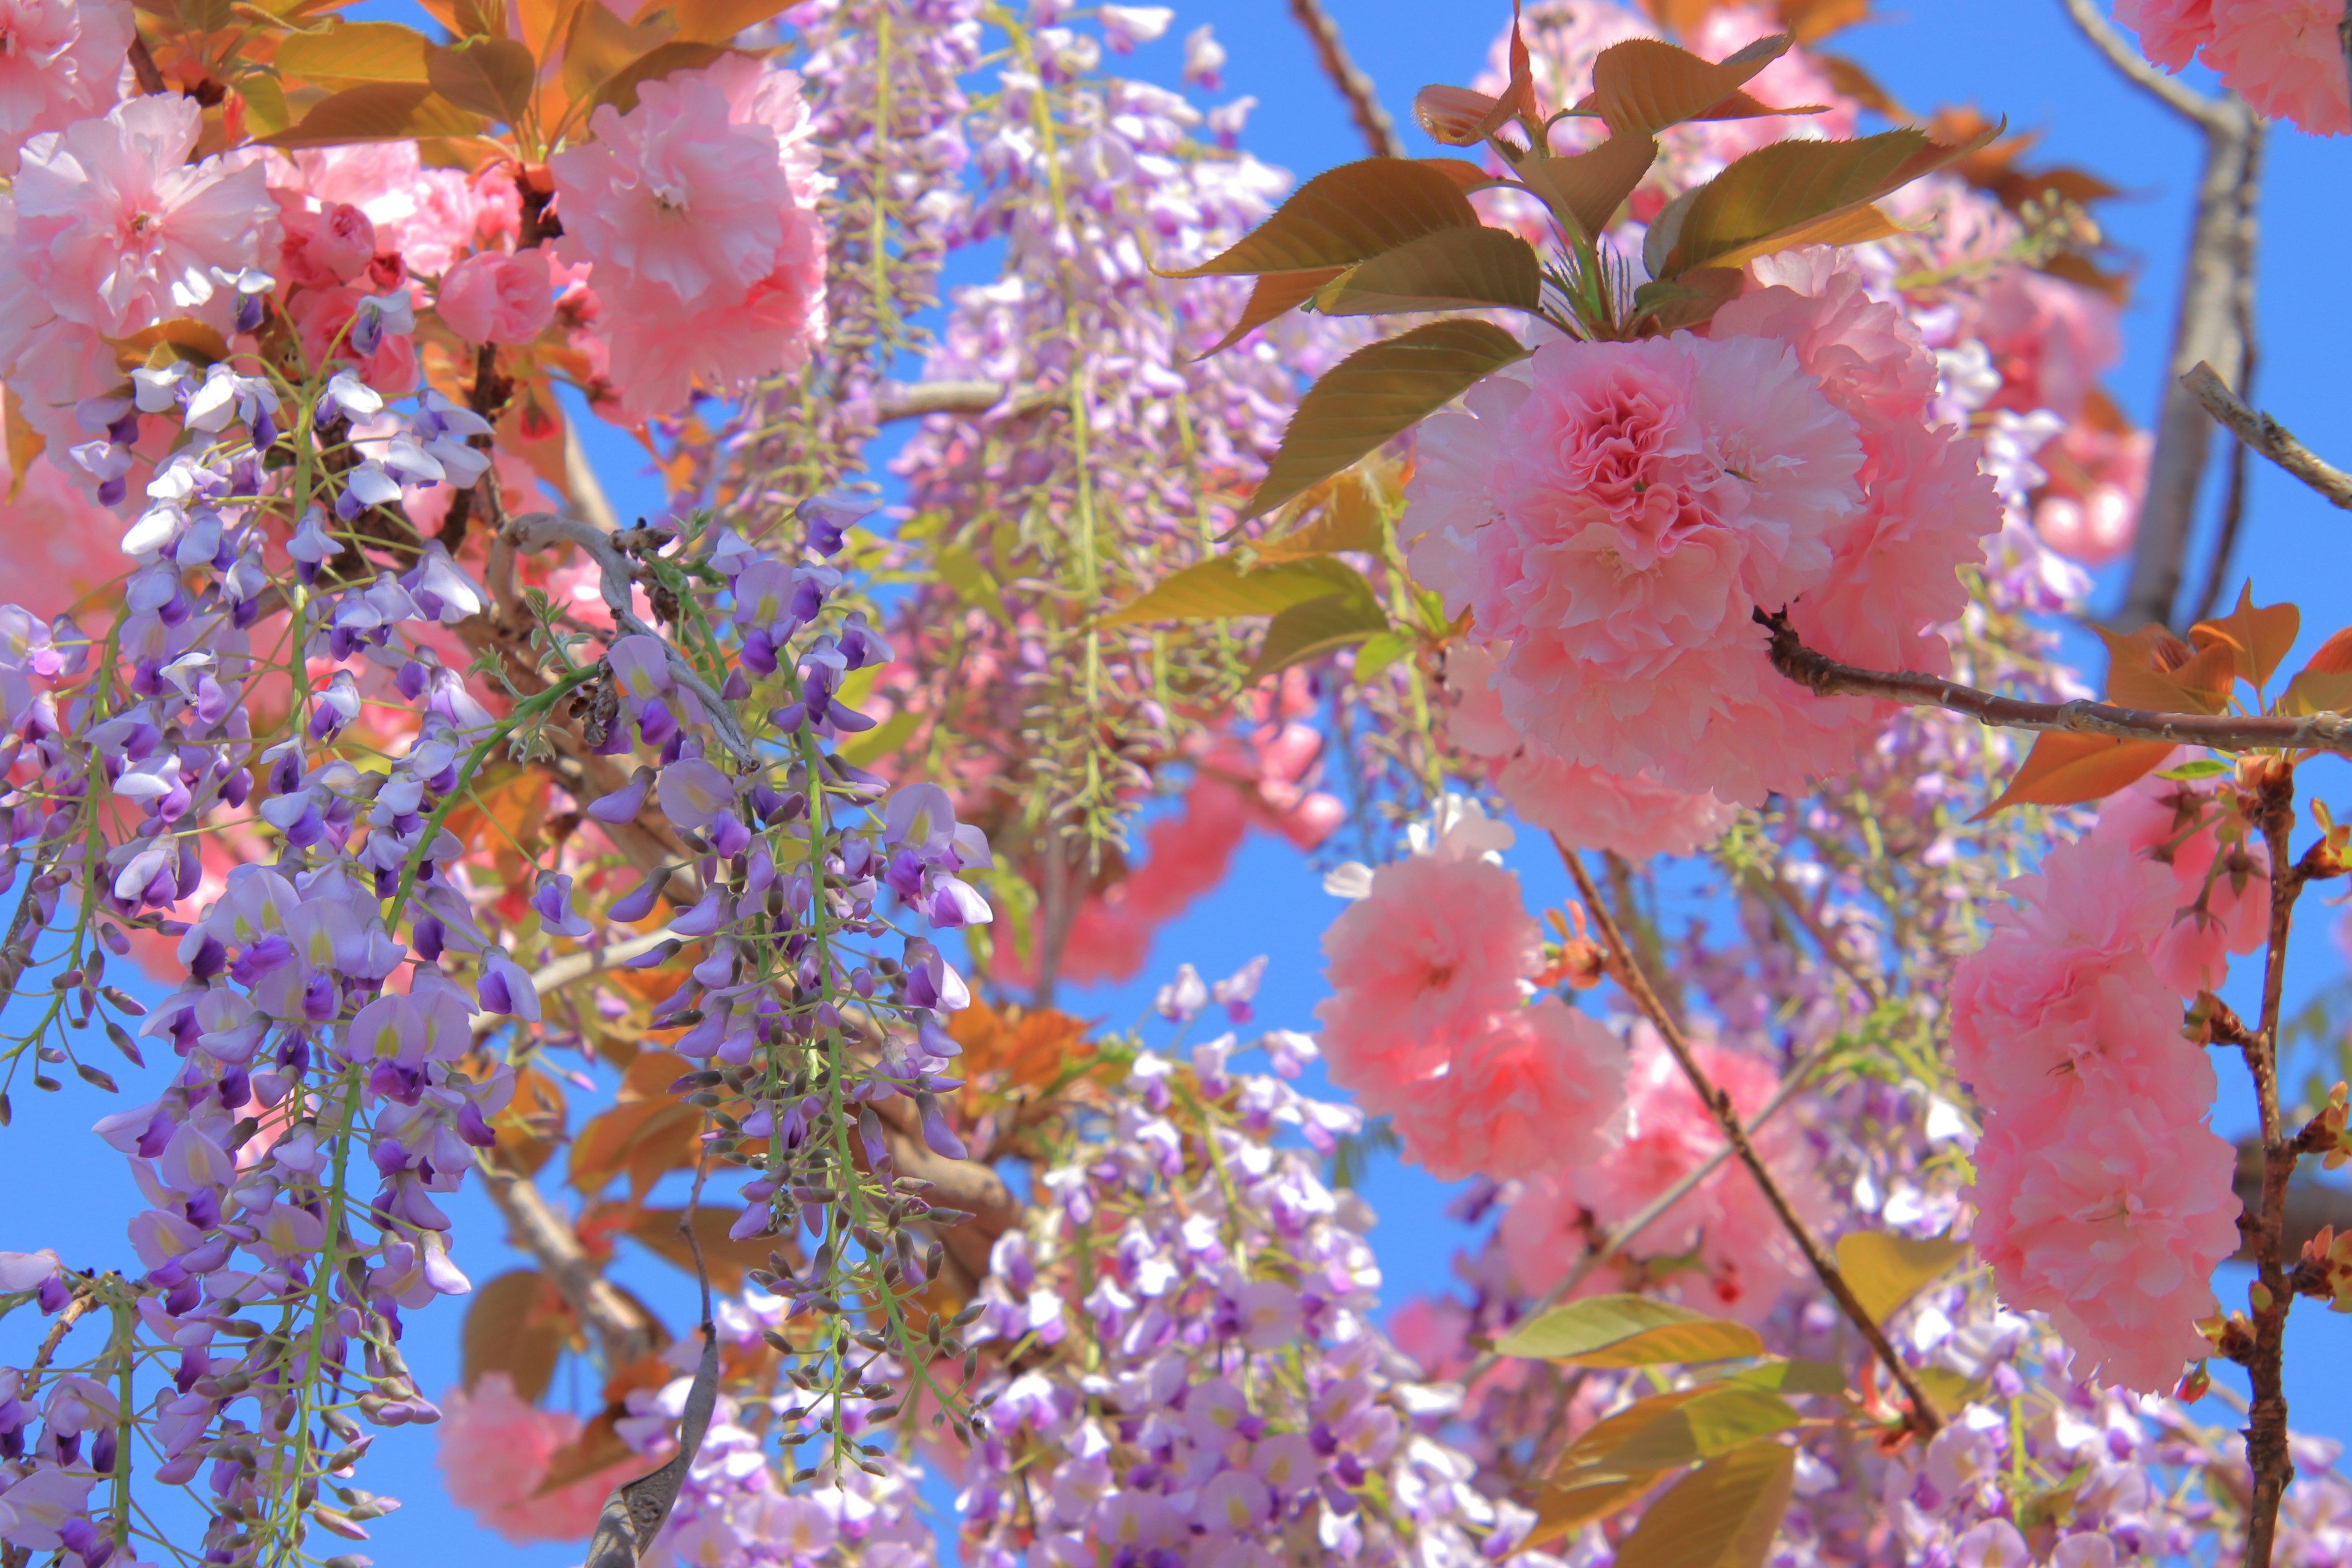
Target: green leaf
{"points": [[1453, 270], [1315, 628], [1887, 1270], [1805, 193], [1347, 215], [378, 111], [2317, 691], [1793, 1377], [1219, 589], [620, 89], [1378, 652], [490, 77], [2189, 773], [1271, 295], [974, 583], [1628, 1330], [1380, 392], [1716, 1422], [1691, 299], [1722, 1515], [1352, 516], [866, 749], [1579, 1498], [346, 53]]}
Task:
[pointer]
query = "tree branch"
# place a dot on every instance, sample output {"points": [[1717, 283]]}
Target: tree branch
{"points": [[2216, 280], [2268, 436], [1373, 122], [2266, 1421], [2139, 70], [1826, 677], [1627, 975], [623, 1331]]}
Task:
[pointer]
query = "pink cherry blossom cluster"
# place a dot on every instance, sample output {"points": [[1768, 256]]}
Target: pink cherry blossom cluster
{"points": [[695, 218], [2102, 1196], [1615, 513], [1430, 1023], [2284, 57]]}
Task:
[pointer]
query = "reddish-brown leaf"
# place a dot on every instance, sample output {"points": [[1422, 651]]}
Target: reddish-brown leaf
{"points": [[2153, 669], [2068, 769], [1585, 190], [1275, 294], [2259, 634], [517, 1324], [1344, 216], [1644, 85]]}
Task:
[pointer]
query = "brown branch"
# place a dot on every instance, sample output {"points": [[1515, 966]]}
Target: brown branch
{"points": [[1373, 122], [1827, 677], [2208, 325], [2267, 1420], [144, 69], [624, 1333], [2268, 436], [2138, 68], [1923, 1417]]}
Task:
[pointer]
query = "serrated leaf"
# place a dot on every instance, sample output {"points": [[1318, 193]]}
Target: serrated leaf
{"points": [[1793, 1377], [1457, 116], [1469, 176], [1716, 1422], [1849, 80], [2316, 691], [2068, 769], [707, 21], [1689, 300], [1316, 628], [1804, 192], [620, 89], [2258, 635], [378, 111], [1377, 652], [655, 1229], [1585, 189], [597, 46], [1273, 294], [1644, 85], [1453, 270], [265, 112], [1570, 1501], [1950, 1390], [1587, 1453], [1887, 1270], [1352, 517], [2153, 669], [1376, 394], [517, 1325], [1219, 589], [1725, 1514], [1344, 216], [489, 77], [1628, 1330], [344, 54]]}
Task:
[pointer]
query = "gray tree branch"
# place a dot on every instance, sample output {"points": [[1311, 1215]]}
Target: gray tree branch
{"points": [[2268, 436]]}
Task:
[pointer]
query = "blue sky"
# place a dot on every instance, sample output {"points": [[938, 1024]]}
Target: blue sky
{"points": [[2017, 58]]}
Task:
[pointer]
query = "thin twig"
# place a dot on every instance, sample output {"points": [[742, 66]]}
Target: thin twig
{"points": [[1923, 1417], [2137, 67], [2268, 436], [537, 531], [1827, 677], [144, 69], [1373, 122], [2266, 1421]]}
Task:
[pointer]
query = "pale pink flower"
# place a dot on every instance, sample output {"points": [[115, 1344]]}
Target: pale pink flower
{"points": [[2285, 58], [1747, 1261], [696, 212], [494, 1450], [119, 231], [429, 217], [59, 544], [1616, 517], [1590, 808], [2035, 1029], [2220, 903], [1538, 1089], [2170, 31], [321, 248], [60, 60], [2111, 1221], [1420, 967], [496, 296], [2089, 509], [2049, 339]]}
